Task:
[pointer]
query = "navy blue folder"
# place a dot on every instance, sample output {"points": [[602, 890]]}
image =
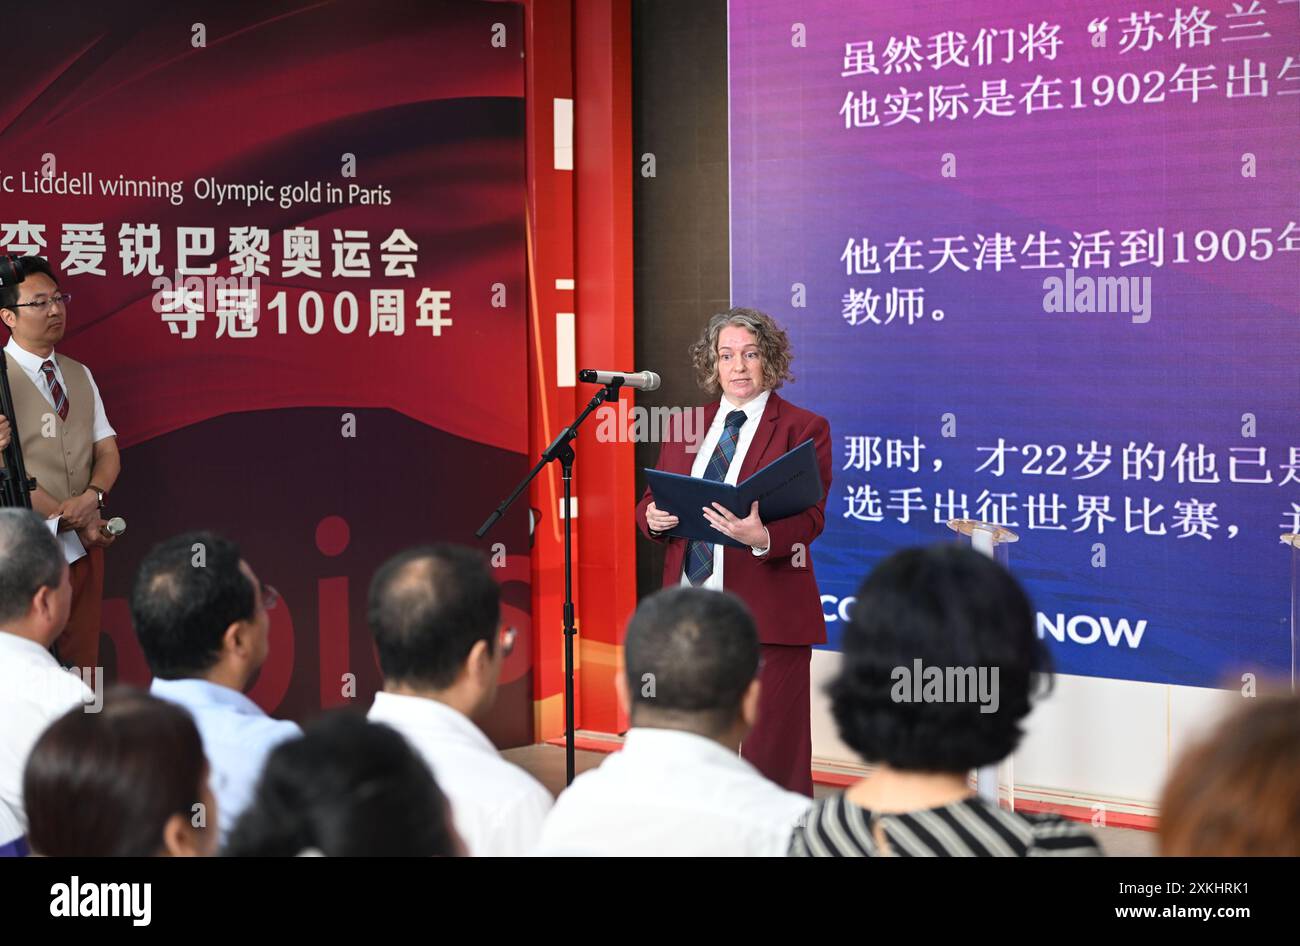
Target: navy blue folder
{"points": [[786, 486]]}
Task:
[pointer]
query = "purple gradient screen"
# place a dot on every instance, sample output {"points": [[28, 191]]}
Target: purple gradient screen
{"points": [[1058, 247]]}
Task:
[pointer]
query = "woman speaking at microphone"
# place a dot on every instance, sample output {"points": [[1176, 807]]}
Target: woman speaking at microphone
{"points": [[744, 356]]}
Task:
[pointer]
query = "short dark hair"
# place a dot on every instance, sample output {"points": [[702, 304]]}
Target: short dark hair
{"points": [[690, 656], [188, 591], [105, 784], [30, 560], [347, 788], [429, 606], [947, 606], [26, 266]]}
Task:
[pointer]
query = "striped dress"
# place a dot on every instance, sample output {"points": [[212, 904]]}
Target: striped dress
{"points": [[973, 827]]}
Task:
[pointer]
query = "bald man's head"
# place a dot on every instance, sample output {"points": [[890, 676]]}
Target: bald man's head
{"points": [[429, 606]]}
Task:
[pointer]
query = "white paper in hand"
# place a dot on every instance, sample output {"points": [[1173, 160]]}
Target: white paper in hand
{"points": [[68, 541]]}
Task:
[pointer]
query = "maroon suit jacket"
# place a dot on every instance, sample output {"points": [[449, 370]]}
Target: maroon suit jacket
{"points": [[782, 596]]}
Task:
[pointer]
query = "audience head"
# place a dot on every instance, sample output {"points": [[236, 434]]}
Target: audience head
{"points": [[1237, 793], [940, 660], [200, 611], [346, 788], [35, 593], [128, 781], [691, 659], [435, 613]]}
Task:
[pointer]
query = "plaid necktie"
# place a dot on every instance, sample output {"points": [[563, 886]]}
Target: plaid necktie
{"points": [[699, 555], [56, 390]]}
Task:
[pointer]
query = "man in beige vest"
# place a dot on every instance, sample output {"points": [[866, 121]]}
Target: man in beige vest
{"points": [[68, 445]]}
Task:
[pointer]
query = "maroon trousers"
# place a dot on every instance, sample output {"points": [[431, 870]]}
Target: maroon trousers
{"points": [[78, 645], [780, 745]]}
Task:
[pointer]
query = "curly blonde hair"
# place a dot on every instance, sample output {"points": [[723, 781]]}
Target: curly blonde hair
{"points": [[773, 346]]}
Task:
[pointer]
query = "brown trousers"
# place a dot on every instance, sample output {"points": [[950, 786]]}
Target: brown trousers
{"points": [[780, 745], [78, 645]]}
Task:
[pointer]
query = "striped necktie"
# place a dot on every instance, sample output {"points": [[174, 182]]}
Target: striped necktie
{"points": [[699, 555], [56, 390]]}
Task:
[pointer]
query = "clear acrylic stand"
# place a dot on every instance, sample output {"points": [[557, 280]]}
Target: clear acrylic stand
{"points": [[993, 541], [1293, 539]]}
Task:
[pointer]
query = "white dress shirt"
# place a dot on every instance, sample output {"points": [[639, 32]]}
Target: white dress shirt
{"points": [[497, 807], [753, 414], [31, 365], [34, 692], [676, 794], [237, 737]]}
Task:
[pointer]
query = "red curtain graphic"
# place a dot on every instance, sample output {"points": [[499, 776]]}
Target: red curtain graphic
{"points": [[294, 238]]}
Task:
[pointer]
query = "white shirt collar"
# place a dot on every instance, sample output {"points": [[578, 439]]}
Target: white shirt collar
{"points": [[26, 647], [753, 410], [29, 361], [196, 692], [429, 714], [646, 741]]}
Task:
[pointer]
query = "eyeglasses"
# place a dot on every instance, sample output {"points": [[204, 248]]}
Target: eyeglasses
{"points": [[508, 637], [43, 308], [270, 597]]}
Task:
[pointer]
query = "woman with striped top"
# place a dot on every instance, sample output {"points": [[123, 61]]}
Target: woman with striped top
{"points": [[971, 827], [940, 661]]}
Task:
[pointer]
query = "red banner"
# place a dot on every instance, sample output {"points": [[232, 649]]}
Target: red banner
{"points": [[295, 245]]}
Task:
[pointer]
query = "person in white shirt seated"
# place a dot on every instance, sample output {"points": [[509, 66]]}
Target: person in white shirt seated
{"points": [[35, 597], [679, 786], [201, 617], [347, 788], [435, 613]]}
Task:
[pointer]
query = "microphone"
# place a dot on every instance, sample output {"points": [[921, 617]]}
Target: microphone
{"points": [[115, 526], [639, 380]]}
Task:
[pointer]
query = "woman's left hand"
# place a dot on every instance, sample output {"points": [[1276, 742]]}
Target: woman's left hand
{"points": [[749, 530]]}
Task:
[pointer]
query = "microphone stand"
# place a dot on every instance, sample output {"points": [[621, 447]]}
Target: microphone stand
{"points": [[15, 487], [561, 449]]}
